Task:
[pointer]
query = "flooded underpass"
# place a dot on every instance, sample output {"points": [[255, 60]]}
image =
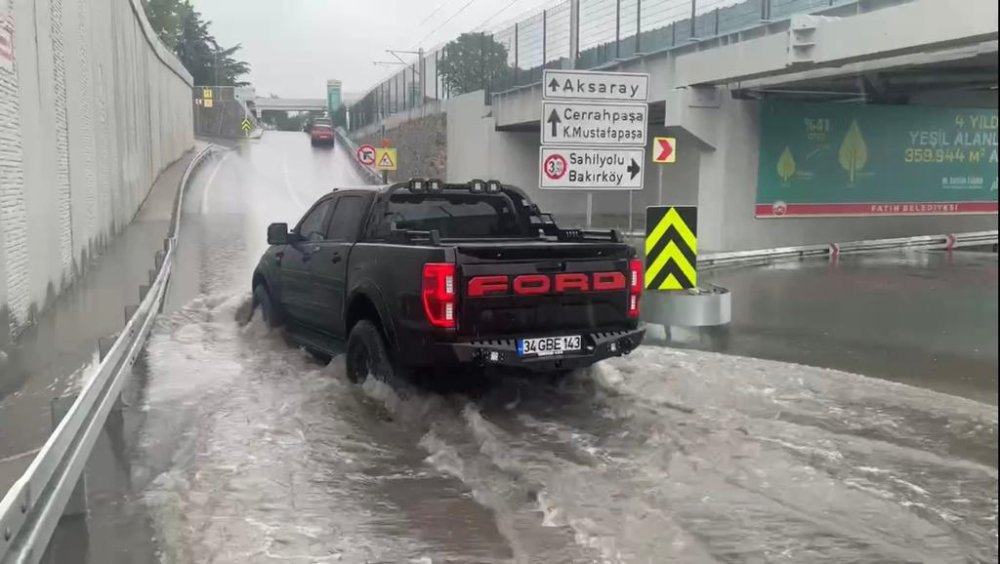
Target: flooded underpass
{"points": [[246, 449], [257, 453]]}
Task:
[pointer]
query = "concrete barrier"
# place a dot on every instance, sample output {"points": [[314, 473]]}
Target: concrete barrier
{"points": [[92, 108]]}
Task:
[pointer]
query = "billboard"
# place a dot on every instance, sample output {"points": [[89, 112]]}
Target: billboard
{"points": [[869, 160], [333, 99]]}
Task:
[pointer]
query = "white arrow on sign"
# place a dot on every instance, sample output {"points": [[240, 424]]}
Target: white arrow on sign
{"points": [[594, 85], [588, 123], [591, 168]]}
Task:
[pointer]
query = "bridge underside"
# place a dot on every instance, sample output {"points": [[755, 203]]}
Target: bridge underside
{"points": [[881, 56], [707, 95], [288, 105]]}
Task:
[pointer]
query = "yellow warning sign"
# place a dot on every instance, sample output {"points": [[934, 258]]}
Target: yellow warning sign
{"points": [[385, 158], [208, 103], [671, 247], [206, 93]]}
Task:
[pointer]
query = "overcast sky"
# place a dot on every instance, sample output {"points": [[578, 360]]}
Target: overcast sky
{"points": [[294, 46]]}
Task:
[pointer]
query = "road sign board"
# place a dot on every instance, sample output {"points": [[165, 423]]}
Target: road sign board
{"points": [[585, 168], [595, 85], [385, 158], [671, 247], [207, 103], [206, 93], [244, 93], [246, 126], [596, 124], [366, 154], [664, 150]]}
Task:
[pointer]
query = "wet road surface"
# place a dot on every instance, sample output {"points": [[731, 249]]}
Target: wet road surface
{"points": [[254, 453], [925, 318], [50, 358], [248, 450]]}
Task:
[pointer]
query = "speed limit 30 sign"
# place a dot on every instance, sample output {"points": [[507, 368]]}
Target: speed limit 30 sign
{"points": [[554, 166]]}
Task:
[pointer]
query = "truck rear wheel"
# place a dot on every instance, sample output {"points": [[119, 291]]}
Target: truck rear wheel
{"points": [[367, 354]]}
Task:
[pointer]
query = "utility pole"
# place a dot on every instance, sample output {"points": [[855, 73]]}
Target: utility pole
{"points": [[423, 83]]}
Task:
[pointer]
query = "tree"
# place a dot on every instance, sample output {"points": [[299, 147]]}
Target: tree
{"points": [[182, 29], [472, 62], [165, 17]]}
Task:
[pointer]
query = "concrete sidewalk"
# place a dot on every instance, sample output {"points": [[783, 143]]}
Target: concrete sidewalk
{"points": [[48, 360]]}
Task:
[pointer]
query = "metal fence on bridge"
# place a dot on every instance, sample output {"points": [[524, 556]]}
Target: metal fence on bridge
{"points": [[582, 34]]}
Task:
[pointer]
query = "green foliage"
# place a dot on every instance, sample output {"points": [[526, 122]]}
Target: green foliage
{"points": [[182, 29], [472, 62]]}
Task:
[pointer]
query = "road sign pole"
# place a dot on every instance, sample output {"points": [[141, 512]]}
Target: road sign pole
{"points": [[590, 208], [659, 185], [629, 212]]}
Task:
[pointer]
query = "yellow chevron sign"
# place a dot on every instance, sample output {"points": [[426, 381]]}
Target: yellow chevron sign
{"points": [[671, 247]]}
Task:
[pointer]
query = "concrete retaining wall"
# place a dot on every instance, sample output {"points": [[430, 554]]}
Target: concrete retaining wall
{"points": [[420, 146], [477, 150], [721, 181], [92, 108]]}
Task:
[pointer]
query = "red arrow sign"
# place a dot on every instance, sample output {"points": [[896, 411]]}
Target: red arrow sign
{"points": [[664, 148]]}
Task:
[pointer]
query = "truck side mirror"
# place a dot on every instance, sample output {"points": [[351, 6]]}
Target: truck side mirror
{"points": [[277, 234]]}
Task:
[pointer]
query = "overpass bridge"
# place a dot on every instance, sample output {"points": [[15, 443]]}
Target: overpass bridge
{"points": [[712, 65], [261, 104]]}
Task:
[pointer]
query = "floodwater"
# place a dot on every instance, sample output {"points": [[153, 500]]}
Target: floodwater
{"points": [[248, 450], [52, 357], [925, 318], [254, 453]]}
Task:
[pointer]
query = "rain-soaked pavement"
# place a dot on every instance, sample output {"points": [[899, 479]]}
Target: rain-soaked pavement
{"points": [[49, 358], [243, 449], [925, 318]]}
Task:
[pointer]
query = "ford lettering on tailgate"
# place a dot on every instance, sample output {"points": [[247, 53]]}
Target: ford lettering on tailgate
{"points": [[541, 284]]}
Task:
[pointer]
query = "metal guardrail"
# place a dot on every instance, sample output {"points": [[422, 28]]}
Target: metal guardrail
{"points": [[946, 241], [31, 509], [370, 174]]}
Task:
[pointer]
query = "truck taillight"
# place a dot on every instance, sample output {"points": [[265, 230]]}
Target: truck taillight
{"points": [[634, 287], [438, 291]]}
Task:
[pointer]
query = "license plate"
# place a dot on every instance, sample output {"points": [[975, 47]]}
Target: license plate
{"points": [[548, 346]]}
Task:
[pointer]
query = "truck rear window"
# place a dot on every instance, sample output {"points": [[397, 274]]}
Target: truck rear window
{"points": [[458, 215]]}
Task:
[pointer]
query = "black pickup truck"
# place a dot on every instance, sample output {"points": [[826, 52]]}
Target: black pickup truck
{"points": [[429, 275]]}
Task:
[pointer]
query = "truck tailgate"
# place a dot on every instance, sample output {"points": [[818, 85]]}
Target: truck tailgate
{"points": [[536, 288]]}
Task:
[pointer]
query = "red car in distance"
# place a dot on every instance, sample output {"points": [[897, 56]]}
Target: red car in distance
{"points": [[321, 132]]}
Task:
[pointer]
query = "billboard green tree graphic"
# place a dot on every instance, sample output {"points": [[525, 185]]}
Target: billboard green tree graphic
{"points": [[853, 151], [786, 165]]}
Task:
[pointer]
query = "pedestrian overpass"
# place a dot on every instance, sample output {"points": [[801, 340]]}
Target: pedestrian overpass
{"points": [[261, 104]]}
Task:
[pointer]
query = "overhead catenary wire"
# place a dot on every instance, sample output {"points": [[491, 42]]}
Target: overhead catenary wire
{"points": [[444, 23], [432, 12], [485, 22]]}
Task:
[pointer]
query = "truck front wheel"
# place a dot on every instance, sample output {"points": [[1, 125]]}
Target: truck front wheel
{"points": [[367, 354], [268, 309]]}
